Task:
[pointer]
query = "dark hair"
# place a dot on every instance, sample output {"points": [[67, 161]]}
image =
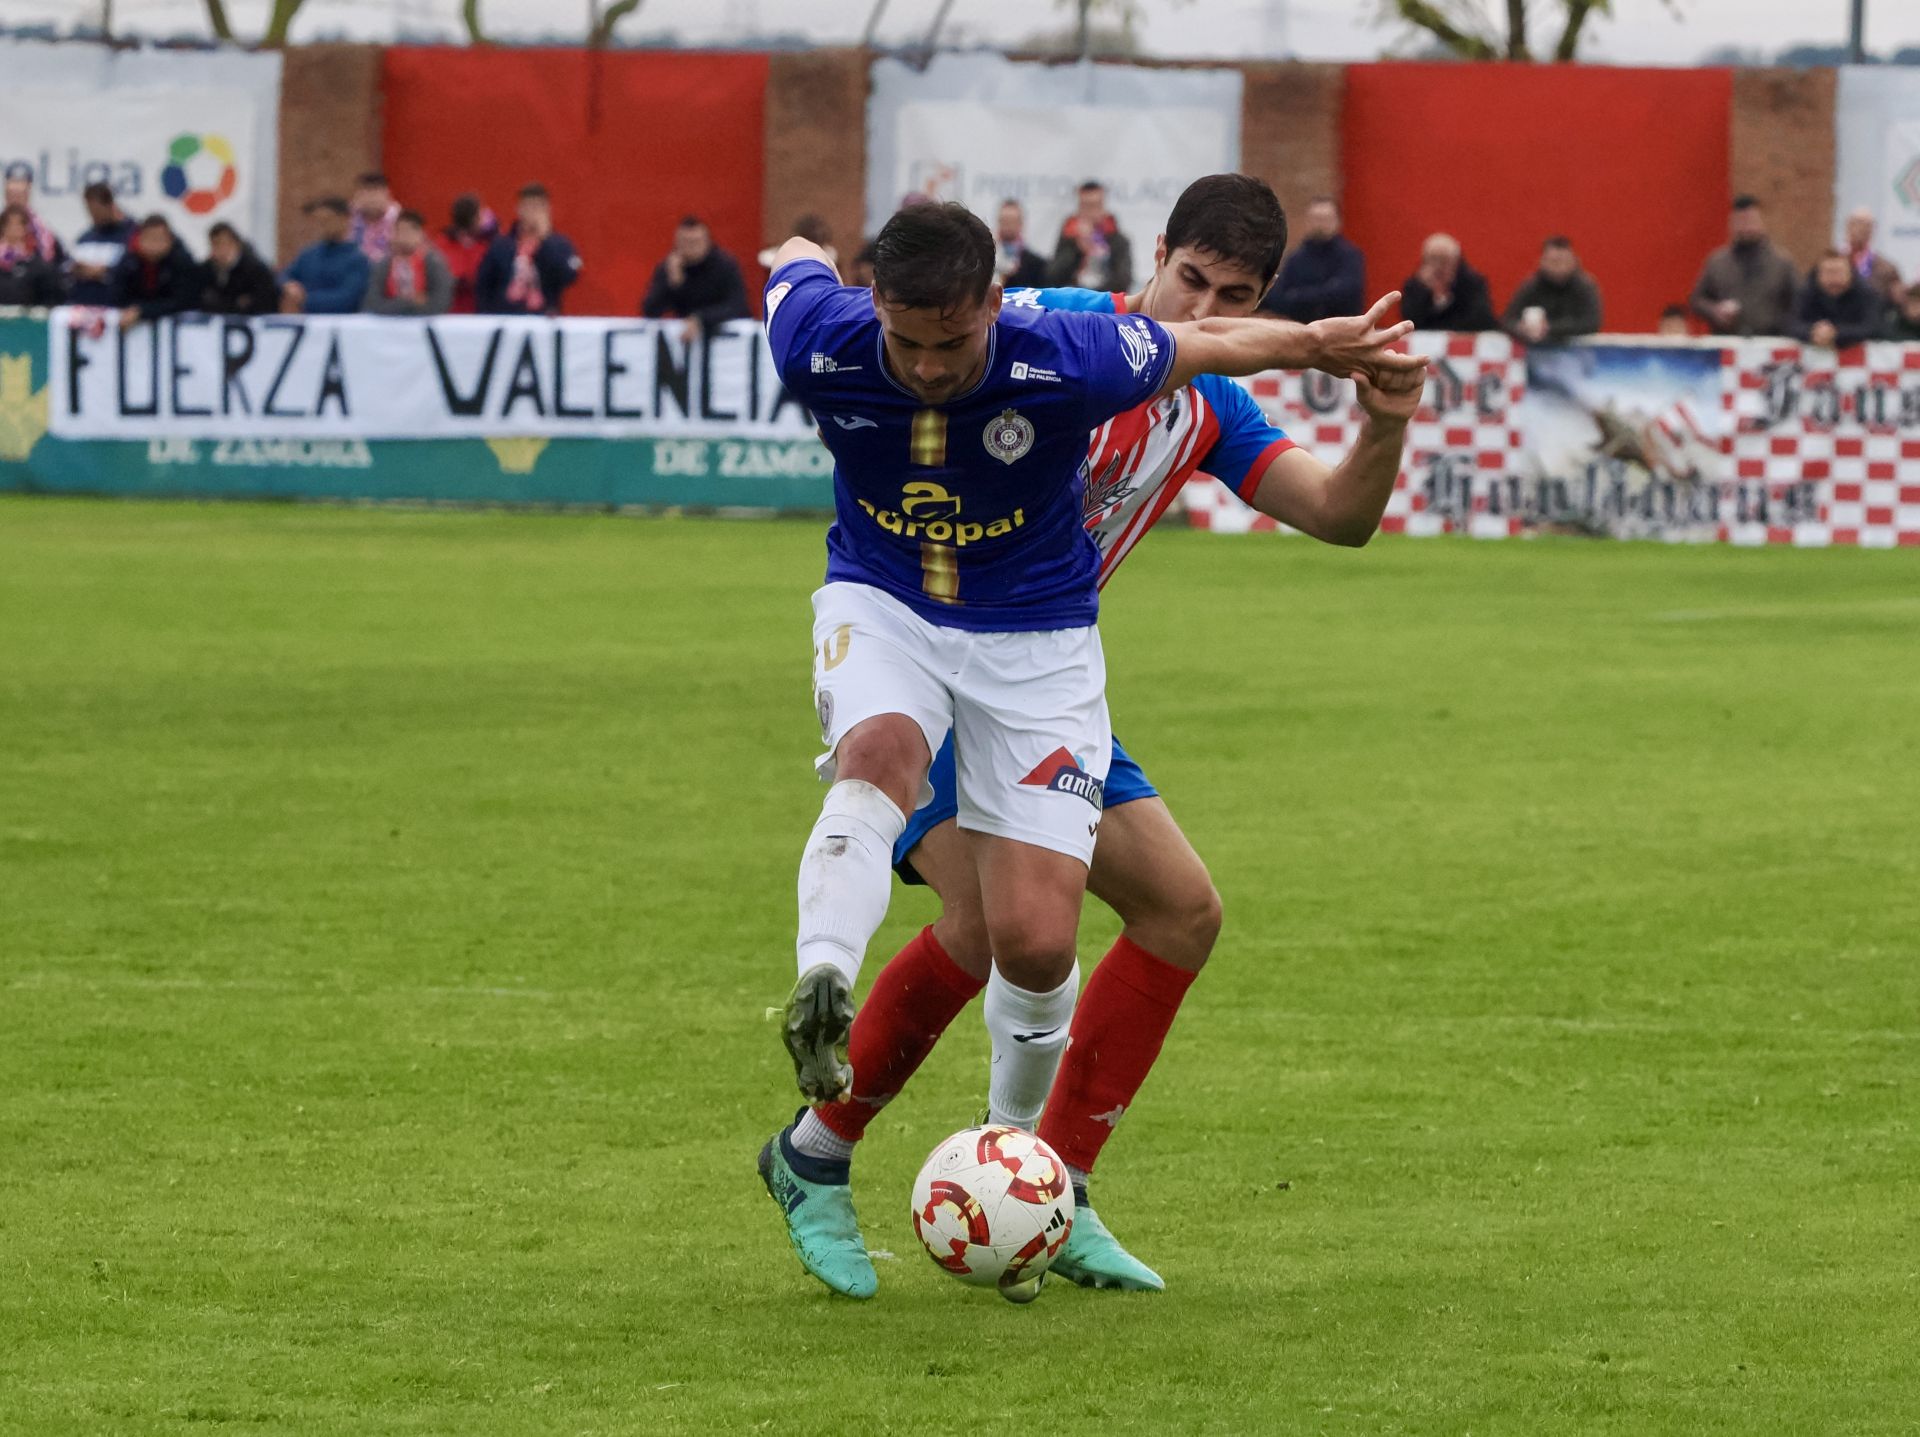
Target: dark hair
{"points": [[371, 178], [1086, 185], [811, 227], [99, 192], [466, 212], [156, 222], [1557, 242], [20, 170], [412, 217], [1010, 200], [1745, 202], [223, 228], [1232, 217], [534, 191], [692, 222], [934, 256], [1674, 311]]}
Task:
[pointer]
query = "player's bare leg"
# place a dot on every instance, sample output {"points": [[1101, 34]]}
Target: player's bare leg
{"points": [[846, 877], [1147, 872]]}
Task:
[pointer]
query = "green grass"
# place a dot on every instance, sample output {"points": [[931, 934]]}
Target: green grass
{"points": [[389, 903]]}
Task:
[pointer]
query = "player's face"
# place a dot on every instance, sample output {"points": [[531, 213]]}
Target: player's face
{"points": [[937, 355], [1190, 284]]}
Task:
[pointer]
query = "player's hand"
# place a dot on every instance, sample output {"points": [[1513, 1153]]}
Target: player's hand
{"points": [[1396, 398], [1359, 344]]}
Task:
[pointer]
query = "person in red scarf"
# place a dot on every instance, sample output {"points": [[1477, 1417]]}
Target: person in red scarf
{"points": [[463, 244], [1092, 253], [25, 278], [156, 276], [413, 278], [528, 269], [20, 192]]}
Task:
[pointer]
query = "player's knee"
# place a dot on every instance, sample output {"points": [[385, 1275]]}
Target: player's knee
{"points": [[890, 753], [1201, 919], [1181, 923], [1034, 951]]}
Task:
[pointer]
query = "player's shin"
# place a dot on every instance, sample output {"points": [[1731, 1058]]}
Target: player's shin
{"points": [[1123, 1019], [846, 874], [1029, 1032], [914, 1000]]}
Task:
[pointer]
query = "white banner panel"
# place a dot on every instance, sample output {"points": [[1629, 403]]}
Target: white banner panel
{"points": [[980, 129], [192, 135], [367, 377], [1877, 152]]}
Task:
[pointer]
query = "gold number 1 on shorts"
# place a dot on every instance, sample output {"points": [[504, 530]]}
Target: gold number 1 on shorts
{"points": [[835, 648]]}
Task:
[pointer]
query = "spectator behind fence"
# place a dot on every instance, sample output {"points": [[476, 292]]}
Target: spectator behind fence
{"points": [[463, 244], [413, 279], [1903, 318], [329, 276], [1092, 252], [527, 270], [808, 226], [1558, 302], [19, 191], [99, 247], [235, 280], [1836, 308], [156, 276], [1446, 292], [1747, 285], [25, 278], [698, 282], [1673, 323], [375, 213], [1017, 266], [1325, 276], [1872, 266]]}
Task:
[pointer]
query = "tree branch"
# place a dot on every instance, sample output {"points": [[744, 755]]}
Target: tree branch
{"points": [[217, 17], [602, 35], [1517, 31], [1434, 22], [470, 13], [1578, 12], [280, 22]]}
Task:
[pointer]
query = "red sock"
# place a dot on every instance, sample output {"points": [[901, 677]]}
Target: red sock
{"points": [[1122, 1020], [913, 1000]]}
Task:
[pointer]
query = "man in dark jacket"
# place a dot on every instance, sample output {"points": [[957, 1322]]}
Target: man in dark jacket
{"points": [[329, 276], [99, 248], [1746, 286], [528, 269], [1326, 276], [697, 281], [1836, 308], [1559, 302], [1093, 252], [1017, 266], [235, 280], [1903, 318], [1446, 292], [156, 276]]}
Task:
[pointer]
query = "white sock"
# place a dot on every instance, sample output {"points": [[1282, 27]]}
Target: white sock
{"points": [[817, 1140], [846, 875], [1029, 1032]]}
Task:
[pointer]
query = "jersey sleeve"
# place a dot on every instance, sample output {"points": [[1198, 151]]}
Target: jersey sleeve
{"points": [[1248, 442], [1096, 301], [799, 294], [1120, 362]]}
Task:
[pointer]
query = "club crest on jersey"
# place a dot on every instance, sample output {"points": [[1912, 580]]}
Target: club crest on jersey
{"points": [[1060, 772], [1009, 437], [1138, 343]]}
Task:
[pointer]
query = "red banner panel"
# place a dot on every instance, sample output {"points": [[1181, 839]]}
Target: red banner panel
{"points": [[627, 141], [1631, 165]]}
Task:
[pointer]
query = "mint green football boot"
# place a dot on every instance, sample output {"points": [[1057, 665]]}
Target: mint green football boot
{"points": [[817, 1199], [1093, 1257]]}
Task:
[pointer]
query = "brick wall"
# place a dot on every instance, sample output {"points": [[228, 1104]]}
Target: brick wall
{"points": [[330, 129], [1783, 153], [1290, 130], [817, 144]]}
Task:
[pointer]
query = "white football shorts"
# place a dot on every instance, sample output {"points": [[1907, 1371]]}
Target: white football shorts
{"points": [[1028, 711]]}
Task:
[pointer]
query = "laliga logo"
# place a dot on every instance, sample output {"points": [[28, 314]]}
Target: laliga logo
{"points": [[200, 172]]}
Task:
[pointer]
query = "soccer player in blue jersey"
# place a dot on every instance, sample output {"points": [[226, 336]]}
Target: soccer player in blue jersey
{"points": [[960, 597]]}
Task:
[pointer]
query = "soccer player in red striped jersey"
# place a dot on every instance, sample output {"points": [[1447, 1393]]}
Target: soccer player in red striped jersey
{"points": [[1219, 255]]}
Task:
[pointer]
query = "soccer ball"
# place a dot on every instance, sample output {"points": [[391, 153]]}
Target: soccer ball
{"points": [[993, 1206]]}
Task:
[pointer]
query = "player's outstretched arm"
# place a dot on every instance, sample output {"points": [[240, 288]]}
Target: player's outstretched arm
{"points": [[1359, 344], [797, 248], [1343, 504]]}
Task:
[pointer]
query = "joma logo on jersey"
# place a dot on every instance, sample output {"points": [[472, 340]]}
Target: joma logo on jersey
{"points": [[1060, 772], [928, 511]]}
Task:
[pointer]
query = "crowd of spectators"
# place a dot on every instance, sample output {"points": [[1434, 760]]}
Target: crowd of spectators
{"points": [[370, 254]]}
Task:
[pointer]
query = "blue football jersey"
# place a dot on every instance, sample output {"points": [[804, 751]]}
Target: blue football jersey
{"points": [[968, 512]]}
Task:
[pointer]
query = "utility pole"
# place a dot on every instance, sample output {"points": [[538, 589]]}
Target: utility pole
{"points": [[1083, 42], [1857, 42]]}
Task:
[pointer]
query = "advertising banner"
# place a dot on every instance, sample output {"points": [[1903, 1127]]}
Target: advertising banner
{"points": [[461, 376], [1877, 157], [980, 129], [189, 134]]}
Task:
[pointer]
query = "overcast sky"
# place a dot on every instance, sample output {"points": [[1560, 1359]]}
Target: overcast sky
{"points": [[1644, 31]]}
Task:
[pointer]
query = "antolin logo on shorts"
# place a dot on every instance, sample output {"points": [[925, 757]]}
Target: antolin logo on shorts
{"points": [[927, 511], [1060, 772]]}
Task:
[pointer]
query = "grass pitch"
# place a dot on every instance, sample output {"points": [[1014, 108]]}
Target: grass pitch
{"points": [[389, 903]]}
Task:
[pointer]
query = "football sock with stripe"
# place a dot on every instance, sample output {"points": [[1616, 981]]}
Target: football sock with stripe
{"points": [[1029, 1032], [1123, 1019]]}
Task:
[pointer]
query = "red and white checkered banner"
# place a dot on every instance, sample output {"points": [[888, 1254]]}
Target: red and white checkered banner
{"points": [[1756, 442]]}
